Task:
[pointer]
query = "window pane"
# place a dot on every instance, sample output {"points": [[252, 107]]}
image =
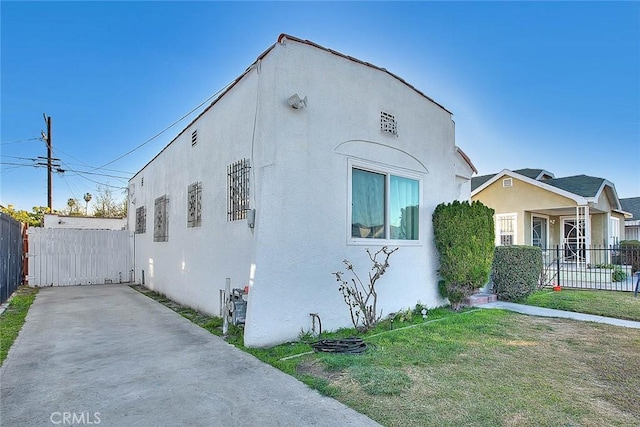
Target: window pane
{"points": [[367, 204], [404, 213]]}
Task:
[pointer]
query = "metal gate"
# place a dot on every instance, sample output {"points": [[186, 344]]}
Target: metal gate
{"points": [[66, 257], [11, 254]]}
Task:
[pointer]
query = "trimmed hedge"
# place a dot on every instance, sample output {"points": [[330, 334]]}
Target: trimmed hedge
{"points": [[464, 237], [516, 270]]}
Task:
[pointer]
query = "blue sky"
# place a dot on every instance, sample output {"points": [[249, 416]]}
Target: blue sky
{"points": [[542, 85]]}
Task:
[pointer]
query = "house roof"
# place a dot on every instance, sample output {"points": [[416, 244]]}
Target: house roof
{"points": [[631, 205], [466, 159], [581, 188], [477, 181], [582, 185], [282, 39], [535, 173]]}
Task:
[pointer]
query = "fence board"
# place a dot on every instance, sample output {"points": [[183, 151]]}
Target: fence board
{"points": [[67, 257], [11, 254]]}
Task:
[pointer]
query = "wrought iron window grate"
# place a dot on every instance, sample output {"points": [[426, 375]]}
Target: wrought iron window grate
{"points": [[160, 222], [141, 220], [388, 123], [238, 190], [194, 205]]}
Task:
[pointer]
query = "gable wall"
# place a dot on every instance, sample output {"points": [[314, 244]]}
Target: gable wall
{"points": [[303, 228]]}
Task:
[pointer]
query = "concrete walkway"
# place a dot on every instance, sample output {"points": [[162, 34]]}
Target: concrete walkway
{"points": [[109, 355], [549, 312]]}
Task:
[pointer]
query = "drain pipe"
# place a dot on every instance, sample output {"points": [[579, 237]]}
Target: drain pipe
{"points": [[225, 307]]}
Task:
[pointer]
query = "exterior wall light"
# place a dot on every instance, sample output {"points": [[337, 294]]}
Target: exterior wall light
{"points": [[296, 103]]}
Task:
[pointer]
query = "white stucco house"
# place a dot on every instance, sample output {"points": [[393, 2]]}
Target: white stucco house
{"points": [[308, 158]]}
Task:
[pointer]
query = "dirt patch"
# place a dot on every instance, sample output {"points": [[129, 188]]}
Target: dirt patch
{"points": [[316, 369]]}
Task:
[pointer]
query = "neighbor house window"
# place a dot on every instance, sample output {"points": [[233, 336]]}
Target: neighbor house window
{"points": [[506, 229], [238, 190], [141, 220], [614, 231], [384, 205], [194, 205], [160, 221]]}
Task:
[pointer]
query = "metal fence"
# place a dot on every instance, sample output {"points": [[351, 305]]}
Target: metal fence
{"points": [[607, 268], [11, 254]]}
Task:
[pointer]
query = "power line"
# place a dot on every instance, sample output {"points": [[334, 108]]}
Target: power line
{"points": [[165, 129], [19, 141]]}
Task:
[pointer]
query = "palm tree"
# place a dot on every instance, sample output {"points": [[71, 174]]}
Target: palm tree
{"points": [[87, 198]]}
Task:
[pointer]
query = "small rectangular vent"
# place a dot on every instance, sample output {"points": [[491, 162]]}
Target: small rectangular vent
{"points": [[507, 182], [388, 123], [194, 137]]}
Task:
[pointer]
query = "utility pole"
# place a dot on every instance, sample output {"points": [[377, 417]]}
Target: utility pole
{"points": [[47, 139]]}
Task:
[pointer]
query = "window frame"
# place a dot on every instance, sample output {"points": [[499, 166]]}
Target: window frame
{"points": [[387, 171], [196, 220], [141, 220], [498, 230]]}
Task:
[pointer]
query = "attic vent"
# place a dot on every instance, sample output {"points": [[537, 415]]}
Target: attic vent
{"points": [[388, 123], [142, 182], [194, 137], [507, 182]]}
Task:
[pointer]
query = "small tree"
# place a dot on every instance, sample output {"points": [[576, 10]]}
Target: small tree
{"points": [[107, 206], [464, 236], [361, 298]]}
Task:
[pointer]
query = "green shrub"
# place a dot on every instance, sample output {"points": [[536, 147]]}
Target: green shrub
{"points": [[630, 254], [618, 274], [516, 270], [464, 236]]}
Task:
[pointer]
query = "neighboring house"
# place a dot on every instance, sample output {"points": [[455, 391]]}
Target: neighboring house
{"points": [[631, 225], [84, 222], [533, 207], [308, 158]]}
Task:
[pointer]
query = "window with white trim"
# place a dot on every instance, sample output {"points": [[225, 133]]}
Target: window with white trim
{"points": [[384, 205], [506, 229], [194, 204]]}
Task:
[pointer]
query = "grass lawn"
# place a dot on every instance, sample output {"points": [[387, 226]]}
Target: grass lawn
{"points": [[474, 368], [622, 305], [12, 319]]}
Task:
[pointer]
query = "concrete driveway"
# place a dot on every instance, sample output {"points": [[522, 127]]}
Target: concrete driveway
{"points": [[108, 355]]}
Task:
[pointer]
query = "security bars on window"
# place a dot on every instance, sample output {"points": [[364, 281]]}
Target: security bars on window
{"points": [[160, 222], [141, 220], [388, 123], [194, 205], [238, 190]]}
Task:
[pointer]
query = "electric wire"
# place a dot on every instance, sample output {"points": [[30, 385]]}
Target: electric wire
{"points": [[166, 128], [19, 141]]}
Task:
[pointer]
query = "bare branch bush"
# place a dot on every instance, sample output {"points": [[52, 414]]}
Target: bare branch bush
{"points": [[360, 297]]}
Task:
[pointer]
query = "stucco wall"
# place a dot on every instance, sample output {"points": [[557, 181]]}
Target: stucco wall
{"points": [[299, 187], [192, 265], [84, 222], [303, 228]]}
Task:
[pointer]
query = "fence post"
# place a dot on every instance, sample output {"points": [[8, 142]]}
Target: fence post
{"points": [[558, 263]]}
